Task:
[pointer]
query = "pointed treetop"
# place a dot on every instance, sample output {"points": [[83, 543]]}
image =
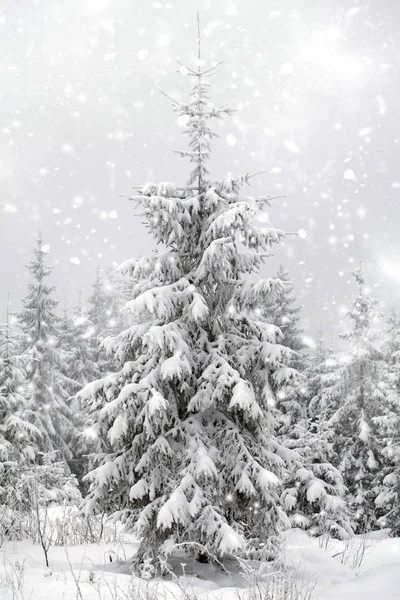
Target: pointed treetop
{"points": [[197, 115], [79, 309], [40, 247], [359, 277], [198, 42], [363, 314], [37, 267]]}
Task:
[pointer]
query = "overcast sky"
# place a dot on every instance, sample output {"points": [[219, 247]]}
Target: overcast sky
{"points": [[316, 83]]}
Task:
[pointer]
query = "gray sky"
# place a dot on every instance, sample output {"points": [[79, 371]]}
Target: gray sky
{"points": [[316, 83]]}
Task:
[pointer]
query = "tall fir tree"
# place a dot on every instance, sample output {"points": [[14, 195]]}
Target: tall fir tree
{"points": [[195, 463], [48, 384], [353, 401]]}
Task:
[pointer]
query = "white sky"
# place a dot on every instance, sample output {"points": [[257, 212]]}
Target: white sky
{"points": [[82, 120]]}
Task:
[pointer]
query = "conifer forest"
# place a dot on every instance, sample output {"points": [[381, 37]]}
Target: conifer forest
{"points": [[200, 307]]}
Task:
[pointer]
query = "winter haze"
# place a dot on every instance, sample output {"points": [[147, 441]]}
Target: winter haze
{"points": [[82, 121]]}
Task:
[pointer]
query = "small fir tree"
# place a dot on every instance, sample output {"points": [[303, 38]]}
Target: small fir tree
{"points": [[289, 392], [388, 498], [19, 441], [15, 416], [283, 313], [106, 300], [322, 374], [80, 368], [314, 489], [76, 334], [47, 384], [359, 393], [314, 494]]}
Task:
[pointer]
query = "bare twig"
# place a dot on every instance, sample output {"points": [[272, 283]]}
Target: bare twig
{"points": [[78, 587]]}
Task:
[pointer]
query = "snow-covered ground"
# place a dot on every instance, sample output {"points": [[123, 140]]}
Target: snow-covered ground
{"points": [[102, 572]]}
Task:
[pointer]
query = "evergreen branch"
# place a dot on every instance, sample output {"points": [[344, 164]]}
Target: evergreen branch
{"points": [[255, 174], [212, 69], [170, 98], [275, 198], [178, 187]]}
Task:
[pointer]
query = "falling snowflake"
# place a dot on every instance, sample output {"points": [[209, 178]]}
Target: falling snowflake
{"points": [[349, 174]]}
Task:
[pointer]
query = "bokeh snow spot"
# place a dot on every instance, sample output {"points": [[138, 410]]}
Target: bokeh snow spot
{"points": [[349, 174]]}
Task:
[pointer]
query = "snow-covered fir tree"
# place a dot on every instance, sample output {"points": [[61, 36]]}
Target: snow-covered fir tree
{"points": [[314, 494], [106, 301], [391, 351], [47, 382], [195, 463], [283, 313], [18, 436], [322, 374], [65, 346], [89, 359], [75, 341], [27, 474], [80, 367], [388, 478], [388, 499], [354, 401], [314, 489]]}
